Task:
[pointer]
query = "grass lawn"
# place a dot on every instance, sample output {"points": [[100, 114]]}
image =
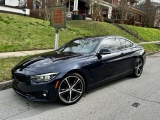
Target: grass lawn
{"points": [[94, 28], [19, 33], [6, 64], [151, 47], [24, 33], [148, 34]]}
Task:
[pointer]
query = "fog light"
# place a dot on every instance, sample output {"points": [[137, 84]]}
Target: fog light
{"points": [[44, 94]]}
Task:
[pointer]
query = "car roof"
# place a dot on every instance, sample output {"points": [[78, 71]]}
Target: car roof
{"points": [[98, 37], [101, 37]]}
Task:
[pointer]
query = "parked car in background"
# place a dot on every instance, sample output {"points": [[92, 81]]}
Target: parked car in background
{"points": [[81, 64]]}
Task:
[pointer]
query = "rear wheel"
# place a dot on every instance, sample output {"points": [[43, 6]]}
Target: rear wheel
{"points": [[71, 89], [138, 67]]}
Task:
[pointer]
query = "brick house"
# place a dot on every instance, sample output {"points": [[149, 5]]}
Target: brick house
{"points": [[109, 8], [132, 16], [72, 6]]}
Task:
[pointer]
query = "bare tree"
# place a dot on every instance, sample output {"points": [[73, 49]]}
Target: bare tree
{"points": [[96, 10], [150, 10], [123, 8], [47, 4], [46, 10], [157, 18]]}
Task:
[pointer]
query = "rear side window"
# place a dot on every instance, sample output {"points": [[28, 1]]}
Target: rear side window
{"points": [[111, 44], [125, 43]]}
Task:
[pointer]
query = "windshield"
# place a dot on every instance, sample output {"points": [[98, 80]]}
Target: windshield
{"points": [[81, 46]]}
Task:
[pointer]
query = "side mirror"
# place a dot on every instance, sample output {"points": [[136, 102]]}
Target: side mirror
{"points": [[104, 51]]}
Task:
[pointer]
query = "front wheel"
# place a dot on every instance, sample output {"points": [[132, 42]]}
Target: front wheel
{"points": [[138, 67], [71, 89]]}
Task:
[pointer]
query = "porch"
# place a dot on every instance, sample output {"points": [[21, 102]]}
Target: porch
{"points": [[83, 8], [133, 16]]}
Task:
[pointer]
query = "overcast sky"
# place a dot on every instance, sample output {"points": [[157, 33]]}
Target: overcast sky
{"points": [[156, 0]]}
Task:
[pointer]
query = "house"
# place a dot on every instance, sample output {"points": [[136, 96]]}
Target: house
{"points": [[109, 9], [72, 6], [131, 16]]}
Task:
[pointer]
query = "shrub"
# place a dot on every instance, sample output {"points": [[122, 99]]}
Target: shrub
{"points": [[108, 20], [39, 13]]}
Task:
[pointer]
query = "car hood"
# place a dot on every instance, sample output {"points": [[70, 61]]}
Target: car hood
{"points": [[48, 62]]}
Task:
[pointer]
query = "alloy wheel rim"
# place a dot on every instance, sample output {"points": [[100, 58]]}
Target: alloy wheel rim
{"points": [[70, 89], [138, 67]]}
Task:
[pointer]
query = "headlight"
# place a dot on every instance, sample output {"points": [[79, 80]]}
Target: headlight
{"points": [[44, 77]]}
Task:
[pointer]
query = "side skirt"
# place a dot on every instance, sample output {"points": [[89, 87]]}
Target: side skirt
{"points": [[110, 79]]}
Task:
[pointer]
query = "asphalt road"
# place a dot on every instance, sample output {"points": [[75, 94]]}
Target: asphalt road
{"points": [[125, 99]]}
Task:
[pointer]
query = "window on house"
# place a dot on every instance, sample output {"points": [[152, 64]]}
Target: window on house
{"points": [[128, 3], [2, 2], [21, 3], [119, 2], [34, 5]]}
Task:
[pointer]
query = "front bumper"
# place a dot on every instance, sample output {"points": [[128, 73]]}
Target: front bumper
{"points": [[38, 92], [144, 58]]}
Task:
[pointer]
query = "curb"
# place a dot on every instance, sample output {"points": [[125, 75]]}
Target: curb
{"points": [[5, 85], [151, 53]]}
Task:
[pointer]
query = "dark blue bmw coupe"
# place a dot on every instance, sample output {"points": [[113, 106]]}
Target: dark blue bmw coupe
{"points": [[80, 65]]}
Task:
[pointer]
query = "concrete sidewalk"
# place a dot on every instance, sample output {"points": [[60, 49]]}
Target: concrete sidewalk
{"points": [[153, 42], [22, 53]]}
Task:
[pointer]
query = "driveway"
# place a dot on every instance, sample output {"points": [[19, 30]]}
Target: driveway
{"points": [[126, 99]]}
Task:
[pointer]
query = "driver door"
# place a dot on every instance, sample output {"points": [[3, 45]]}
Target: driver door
{"points": [[105, 67]]}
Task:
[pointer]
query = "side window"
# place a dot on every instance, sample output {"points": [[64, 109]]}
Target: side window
{"points": [[129, 44], [125, 43], [111, 44]]}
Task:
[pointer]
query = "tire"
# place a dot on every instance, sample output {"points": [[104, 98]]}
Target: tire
{"points": [[138, 67], [71, 89]]}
